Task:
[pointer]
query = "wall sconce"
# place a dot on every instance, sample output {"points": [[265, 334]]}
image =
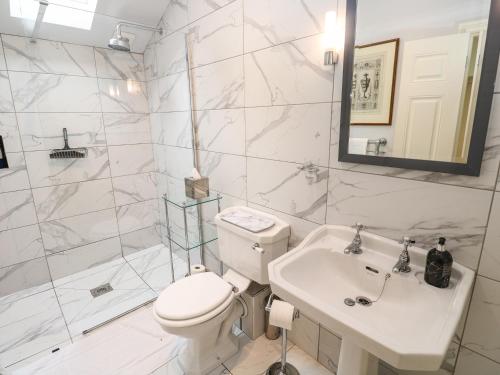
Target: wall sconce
{"points": [[3, 155], [330, 39]]}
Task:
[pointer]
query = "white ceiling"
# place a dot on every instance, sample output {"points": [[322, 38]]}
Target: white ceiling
{"points": [[108, 13]]}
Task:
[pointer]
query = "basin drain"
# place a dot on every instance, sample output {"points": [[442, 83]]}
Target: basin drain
{"points": [[349, 302], [365, 301]]}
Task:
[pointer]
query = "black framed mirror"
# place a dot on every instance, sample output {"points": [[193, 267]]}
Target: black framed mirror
{"points": [[418, 83]]}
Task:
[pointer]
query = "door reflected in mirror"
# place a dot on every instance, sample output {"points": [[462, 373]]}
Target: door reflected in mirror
{"points": [[415, 77]]}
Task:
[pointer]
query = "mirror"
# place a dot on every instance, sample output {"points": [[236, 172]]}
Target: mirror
{"points": [[418, 82]]}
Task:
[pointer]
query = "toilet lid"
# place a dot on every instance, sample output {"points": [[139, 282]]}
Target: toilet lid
{"points": [[192, 296]]}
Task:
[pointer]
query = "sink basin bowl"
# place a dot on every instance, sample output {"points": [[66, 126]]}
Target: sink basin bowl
{"points": [[409, 323]]}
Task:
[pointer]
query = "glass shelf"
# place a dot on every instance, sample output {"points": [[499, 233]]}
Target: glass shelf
{"points": [[180, 200], [195, 239]]}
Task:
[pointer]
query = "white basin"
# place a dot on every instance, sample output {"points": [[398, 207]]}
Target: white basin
{"points": [[409, 327]]}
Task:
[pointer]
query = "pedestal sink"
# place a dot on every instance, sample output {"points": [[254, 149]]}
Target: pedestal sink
{"points": [[408, 324]]}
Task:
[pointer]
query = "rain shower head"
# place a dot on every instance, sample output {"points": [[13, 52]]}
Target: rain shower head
{"points": [[121, 43]]}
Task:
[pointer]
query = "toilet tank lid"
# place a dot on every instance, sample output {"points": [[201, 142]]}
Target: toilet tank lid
{"points": [[262, 227]]}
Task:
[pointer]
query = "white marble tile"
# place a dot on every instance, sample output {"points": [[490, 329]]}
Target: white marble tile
{"points": [[173, 129], [221, 130], [46, 56], [394, 207], [119, 64], [62, 201], [82, 258], [305, 363], [170, 54], [140, 240], [43, 131], [43, 355], [289, 188], [173, 368], [329, 349], [482, 331], [175, 15], [127, 129], [26, 275], [472, 363], [150, 64], [172, 94], [68, 233], [19, 245], [6, 102], [16, 209], [227, 173], [201, 8], [218, 36], [298, 133], [44, 171], [175, 162], [137, 216], [3, 66], [30, 325], [267, 24], [134, 188], [131, 159], [26, 292], [490, 257], [290, 73], [219, 85], [10, 132], [305, 335], [38, 92], [16, 176], [123, 96]]}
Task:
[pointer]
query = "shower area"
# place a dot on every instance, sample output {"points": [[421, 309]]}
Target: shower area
{"points": [[83, 240]]}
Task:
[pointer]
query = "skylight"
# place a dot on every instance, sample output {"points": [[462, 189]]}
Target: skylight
{"points": [[72, 13]]}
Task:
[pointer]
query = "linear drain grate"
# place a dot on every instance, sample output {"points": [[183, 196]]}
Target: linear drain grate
{"points": [[101, 289]]}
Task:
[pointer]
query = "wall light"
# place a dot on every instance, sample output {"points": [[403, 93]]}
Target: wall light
{"points": [[330, 39]]}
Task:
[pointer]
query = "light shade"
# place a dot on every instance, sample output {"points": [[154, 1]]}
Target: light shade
{"points": [[330, 38]]}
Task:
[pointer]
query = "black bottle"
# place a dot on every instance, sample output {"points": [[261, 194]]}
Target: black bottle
{"points": [[438, 266]]}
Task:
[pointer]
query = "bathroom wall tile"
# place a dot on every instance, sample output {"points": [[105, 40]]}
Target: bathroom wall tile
{"points": [[37, 92], [134, 188], [219, 85], [140, 240], [131, 159], [183, 157], [227, 172], [127, 129], [44, 171], [123, 96], [489, 265], [150, 62], [43, 131], [6, 102], [62, 201], [137, 216], [329, 349], [20, 245], [266, 23], [173, 93], [394, 207], [119, 64], [482, 331], [200, 8], [3, 65], [473, 363], [23, 276], [298, 133], [173, 129], [72, 232], [305, 335], [218, 36], [46, 56], [82, 258], [291, 73], [10, 132], [175, 16], [304, 363], [221, 130], [16, 210], [16, 176], [171, 54], [287, 187]]}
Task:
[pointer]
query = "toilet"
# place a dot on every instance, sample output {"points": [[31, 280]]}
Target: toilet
{"points": [[202, 308]]}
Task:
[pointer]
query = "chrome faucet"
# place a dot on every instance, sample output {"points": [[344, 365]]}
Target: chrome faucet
{"points": [[355, 246], [403, 264]]}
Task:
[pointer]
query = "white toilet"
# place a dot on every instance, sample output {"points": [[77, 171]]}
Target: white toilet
{"points": [[203, 307]]}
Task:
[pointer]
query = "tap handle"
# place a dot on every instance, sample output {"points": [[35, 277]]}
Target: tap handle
{"points": [[407, 241], [359, 227]]}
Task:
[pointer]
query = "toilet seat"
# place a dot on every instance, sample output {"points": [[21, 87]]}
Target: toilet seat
{"points": [[194, 300]]}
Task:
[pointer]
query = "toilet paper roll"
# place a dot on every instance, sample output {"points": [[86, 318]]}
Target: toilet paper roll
{"points": [[197, 268], [281, 314]]}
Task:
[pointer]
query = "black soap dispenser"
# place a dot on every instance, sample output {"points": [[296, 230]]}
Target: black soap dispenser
{"points": [[438, 266]]}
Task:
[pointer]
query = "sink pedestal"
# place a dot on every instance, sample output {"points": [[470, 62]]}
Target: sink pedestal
{"points": [[355, 360]]}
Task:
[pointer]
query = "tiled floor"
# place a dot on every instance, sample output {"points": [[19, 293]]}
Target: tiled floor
{"points": [[136, 345], [38, 320]]}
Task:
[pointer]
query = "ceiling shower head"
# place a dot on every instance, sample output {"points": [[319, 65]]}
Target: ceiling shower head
{"points": [[121, 43]]}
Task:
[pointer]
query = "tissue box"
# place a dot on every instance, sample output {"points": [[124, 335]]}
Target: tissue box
{"points": [[197, 188]]}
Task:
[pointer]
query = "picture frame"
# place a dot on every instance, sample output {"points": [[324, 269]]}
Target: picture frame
{"points": [[374, 83]]}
